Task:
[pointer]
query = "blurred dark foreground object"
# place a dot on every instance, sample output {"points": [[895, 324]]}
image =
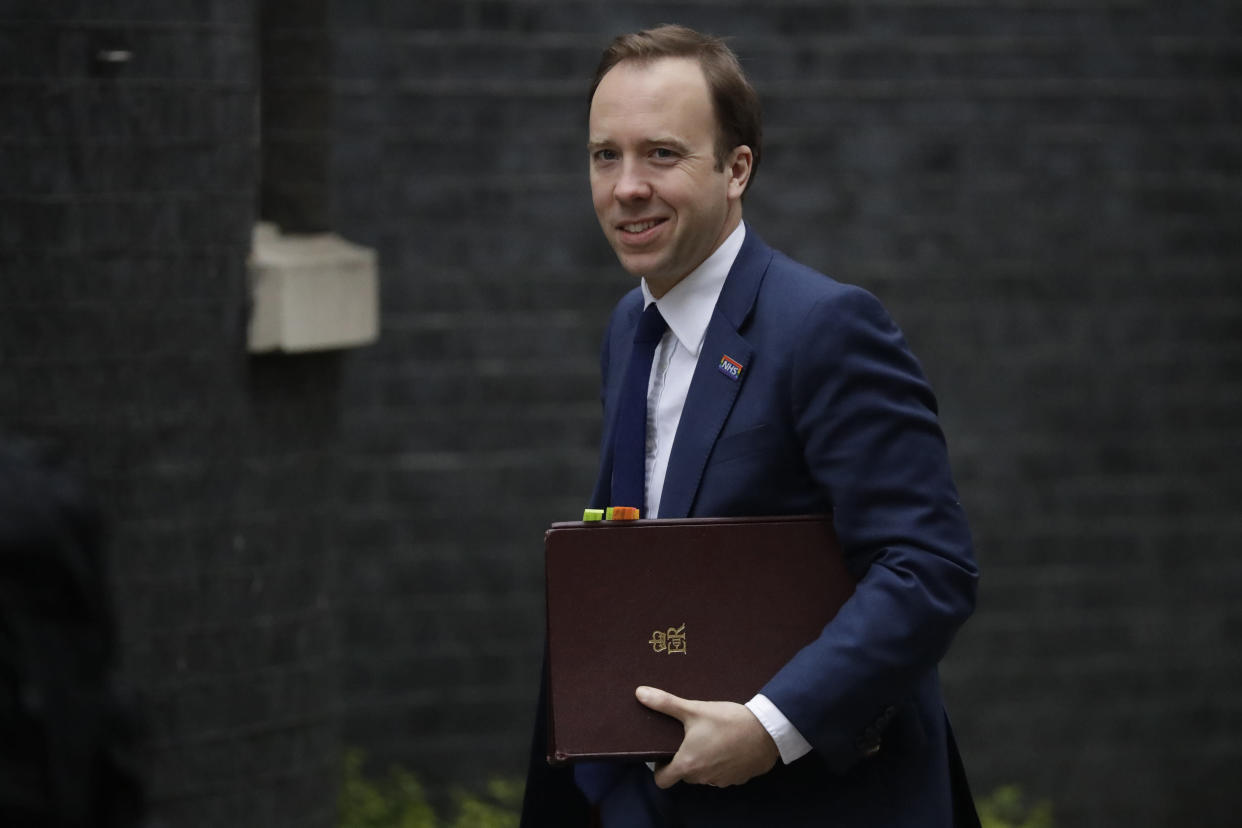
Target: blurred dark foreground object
{"points": [[67, 740]]}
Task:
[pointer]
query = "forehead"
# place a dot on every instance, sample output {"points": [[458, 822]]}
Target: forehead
{"points": [[661, 95]]}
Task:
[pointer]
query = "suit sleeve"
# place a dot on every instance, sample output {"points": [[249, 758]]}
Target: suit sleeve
{"points": [[866, 418]]}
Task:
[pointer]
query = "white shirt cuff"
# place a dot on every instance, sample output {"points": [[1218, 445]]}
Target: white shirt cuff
{"points": [[788, 740]]}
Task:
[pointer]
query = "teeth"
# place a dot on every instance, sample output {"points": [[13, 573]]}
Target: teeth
{"points": [[639, 226]]}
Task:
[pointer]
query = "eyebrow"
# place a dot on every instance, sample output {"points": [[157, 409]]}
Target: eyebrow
{"points": [[667, 141]]}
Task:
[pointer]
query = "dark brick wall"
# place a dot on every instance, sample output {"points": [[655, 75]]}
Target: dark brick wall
{"points": [[1044, 194], [1046, 197], [295, 116], [127, 199]]}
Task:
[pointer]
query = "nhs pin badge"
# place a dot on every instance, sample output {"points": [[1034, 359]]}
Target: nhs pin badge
{"points": [[730, 367]]}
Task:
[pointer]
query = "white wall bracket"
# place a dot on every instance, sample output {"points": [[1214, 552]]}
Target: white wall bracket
{"points": [[311, 292]]}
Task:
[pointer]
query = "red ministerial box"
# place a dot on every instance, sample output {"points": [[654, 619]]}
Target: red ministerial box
{"points": [[705, 608]]}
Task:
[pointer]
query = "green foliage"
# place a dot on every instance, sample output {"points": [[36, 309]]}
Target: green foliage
{"points": [[397, 801], [1005, 808], [400, 800], [500, 810]]}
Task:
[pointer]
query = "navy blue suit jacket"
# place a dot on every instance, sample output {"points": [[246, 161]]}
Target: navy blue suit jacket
{"points": [[830, 413]]}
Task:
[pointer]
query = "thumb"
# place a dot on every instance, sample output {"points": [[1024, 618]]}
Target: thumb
{"points": [[663, 702]]}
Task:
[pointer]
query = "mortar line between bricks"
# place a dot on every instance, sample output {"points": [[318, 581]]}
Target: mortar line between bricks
{"points": [[406, 654], [474, 695], [1008, 89], [475, 602], [126, 23], [85, 143], [268, 621], [204, 629], [279, 724], [226, 678], [130, 83], [913, 42], [229, 786], [136, 198], [211, 572]]}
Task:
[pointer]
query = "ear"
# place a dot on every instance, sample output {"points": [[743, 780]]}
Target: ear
{"points": [[740, 162]]}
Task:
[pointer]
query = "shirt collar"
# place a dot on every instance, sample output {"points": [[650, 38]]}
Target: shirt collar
{"points": [[688, 305]]}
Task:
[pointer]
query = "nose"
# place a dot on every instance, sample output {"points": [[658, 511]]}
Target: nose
{"points": [[632, 184]]}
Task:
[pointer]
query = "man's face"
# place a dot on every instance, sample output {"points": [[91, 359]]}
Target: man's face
{"points": [[660, 199]]}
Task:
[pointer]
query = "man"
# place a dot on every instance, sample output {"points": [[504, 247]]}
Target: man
{"points": [[774, 390]]}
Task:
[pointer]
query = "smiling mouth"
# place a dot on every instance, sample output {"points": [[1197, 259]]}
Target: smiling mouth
{"points": [[640, 226]]}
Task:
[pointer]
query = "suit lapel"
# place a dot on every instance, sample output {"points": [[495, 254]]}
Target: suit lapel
{"points": [[713, 390]]}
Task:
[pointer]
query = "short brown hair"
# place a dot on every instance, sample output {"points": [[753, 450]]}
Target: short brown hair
{"points": [[734, 100]]}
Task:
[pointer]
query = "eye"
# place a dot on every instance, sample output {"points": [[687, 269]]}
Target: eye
{"points": [[664, 154], [604, 155]]}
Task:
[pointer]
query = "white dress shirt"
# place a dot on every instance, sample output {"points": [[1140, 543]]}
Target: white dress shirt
{"points": [[687, 308]]}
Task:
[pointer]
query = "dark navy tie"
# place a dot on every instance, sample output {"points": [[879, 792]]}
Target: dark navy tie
{"points": [[629, 445], [629, 469]]}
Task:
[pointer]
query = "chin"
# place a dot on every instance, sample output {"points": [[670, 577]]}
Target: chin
{"points": [[637, 269]]}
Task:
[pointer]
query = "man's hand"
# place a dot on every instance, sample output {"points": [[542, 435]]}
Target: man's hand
{"points": [[724, 742]]}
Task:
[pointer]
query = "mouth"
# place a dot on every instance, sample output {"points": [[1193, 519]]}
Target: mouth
{"points": [[638, 230]]}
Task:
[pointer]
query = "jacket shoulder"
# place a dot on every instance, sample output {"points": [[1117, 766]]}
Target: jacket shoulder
{"points": [[792, 290]]}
